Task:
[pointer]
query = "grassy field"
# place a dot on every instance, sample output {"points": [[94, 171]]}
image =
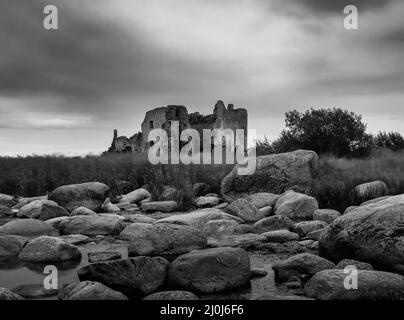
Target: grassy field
{"points": [[38, 175]]}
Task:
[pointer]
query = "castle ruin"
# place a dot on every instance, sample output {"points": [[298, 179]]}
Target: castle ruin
{"points": [[222, 118]]}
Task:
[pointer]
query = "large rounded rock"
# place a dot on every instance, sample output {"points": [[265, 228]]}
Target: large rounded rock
{"points": [[28, 228], [206, 202], [88, 290], [245, 240], [371, 190], [162, 239], [358, 264], [108, 206], [199, 218], [245, 210], [370, 233], [274, 173], [280, 236], [90, 195], [263, 199], [372, 285], [163, 206], [326, 215], [171, 295], [296, 206], [7, 201], [11, 245], [219, 228], [49, 249], [6, 294], [272, 224], [211, 270], [135, 278], [135, 196], [24, 201], [92, 225], [302, 266], [42, 210], [305, 227], [82, 211]]}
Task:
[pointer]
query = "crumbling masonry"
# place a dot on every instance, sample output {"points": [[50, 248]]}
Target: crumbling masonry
{"points": [[222, 118]]}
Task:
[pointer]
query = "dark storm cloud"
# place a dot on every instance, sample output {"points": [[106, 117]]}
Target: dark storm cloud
{"points": [[337, 6], [89, 58]]}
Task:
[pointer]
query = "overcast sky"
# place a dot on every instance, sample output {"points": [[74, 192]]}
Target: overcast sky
{"points": [[110, 61]]}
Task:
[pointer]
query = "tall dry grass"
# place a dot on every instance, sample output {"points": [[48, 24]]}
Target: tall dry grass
{"points": [[338, 176], [39, 175]]}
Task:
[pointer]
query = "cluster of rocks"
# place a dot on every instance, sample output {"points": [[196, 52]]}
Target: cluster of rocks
{"points": [[182, 255]]}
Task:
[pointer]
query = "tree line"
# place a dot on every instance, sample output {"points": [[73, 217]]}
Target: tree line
{"points": [[329, 131]]}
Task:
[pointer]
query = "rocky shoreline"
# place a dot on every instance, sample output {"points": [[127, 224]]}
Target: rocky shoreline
{"points": [[248, 243]]}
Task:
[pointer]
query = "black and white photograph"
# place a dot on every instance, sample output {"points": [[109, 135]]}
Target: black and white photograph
{"points": [[220, 152]]}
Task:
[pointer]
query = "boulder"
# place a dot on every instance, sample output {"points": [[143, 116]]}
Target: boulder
{"points": [[34, 291], [358, 264], [91, 225], [349, 209], [371, 233], [99, 256], [82, 211], [42, 210], [316, 234], [7, 201], [107, 206], [135, 277], [326, 215], [11, 245], [372, 285], [24, 201], [280, 236], [135, 196], [211, 270], [374, 200], [199, 218], [49, 249], [263, 199], [162, 239], [274, 173], [163, 206], [75, 239], [88, 290], [305, 227], [245, 210], [222, 206], [90, 195], [218, 228], [28, 228], [200, 189], [139, 218], [371, 190], [55, 222], [206, 202], [296, 206], [302, 266], [171, 295], [272, 224], [258, 273], [245, 240], [266, 211], [6, 294]]}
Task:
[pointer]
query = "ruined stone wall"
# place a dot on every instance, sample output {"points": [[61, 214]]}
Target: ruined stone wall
{"points": [[222, 118]]}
